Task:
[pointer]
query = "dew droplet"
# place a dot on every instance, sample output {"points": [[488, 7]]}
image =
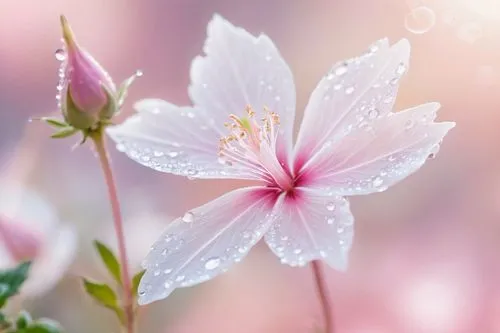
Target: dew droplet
{"points": [[60, 55], [330, 77], [330, 206], [156, 273], [373, 113], [212, 263], [121, 147], [420, 20], [172, 154], [349, 90], [188, 217], [167, 271], [157, 153], [401, 69], [180, 278], [330, 220], [166, 285], [142, 292], [409, 124], [297, 251], [377, 182], [337, 86], [341, 70], [139, 73]]}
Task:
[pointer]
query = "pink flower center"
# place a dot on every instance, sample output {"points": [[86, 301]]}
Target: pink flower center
{"points": [[253, 145]]}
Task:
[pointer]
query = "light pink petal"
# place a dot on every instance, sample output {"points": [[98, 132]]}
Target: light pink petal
{"points": [[206, 241], [354, 92], [174, 139], [311, 225], [378, 155], [240, 69]]}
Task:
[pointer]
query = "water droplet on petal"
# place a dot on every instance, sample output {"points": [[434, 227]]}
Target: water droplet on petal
{"points": [[212, 263], [330, 220], [167, 271], [377, 182], [337, 86], [166, 285], [60, 55], [409, 124], [341, 70], [173, 154], [180, 278], [401, 69], [373, 113], [139, 73], [330, 206], [420, 20], [188, 217], [349, 90], [142, 293]]}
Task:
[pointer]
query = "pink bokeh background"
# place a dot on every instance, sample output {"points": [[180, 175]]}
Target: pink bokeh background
{"points": [[425, 254]]}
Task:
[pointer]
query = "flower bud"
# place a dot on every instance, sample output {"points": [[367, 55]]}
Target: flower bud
{"points": [[21, 244], [88, 95]]}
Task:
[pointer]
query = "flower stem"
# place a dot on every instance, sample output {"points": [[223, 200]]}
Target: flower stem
{"points": [[322, 291], [100, 147]]}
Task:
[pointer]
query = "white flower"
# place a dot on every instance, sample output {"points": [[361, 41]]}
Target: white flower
{"points": [[240, 126]]}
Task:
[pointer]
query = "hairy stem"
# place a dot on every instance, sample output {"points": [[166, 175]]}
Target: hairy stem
{"points": [[100, 147], [322, 291]]}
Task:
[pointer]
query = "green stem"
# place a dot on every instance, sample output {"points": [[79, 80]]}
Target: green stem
{"points": [[100, 147]]}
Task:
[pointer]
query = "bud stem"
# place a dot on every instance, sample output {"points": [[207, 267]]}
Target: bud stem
{"points": [[100, 145], [322, 291]]}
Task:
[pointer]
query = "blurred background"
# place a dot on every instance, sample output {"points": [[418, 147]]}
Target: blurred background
{"points": [[425, 255]]}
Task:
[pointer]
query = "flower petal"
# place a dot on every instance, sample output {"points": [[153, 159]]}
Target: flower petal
{"points": [[240, 69], [311, 225], [355, 91], [173, 139], [379, 155], [206, 241]]}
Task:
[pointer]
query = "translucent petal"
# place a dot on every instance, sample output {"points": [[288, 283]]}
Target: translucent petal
{"points": [[206, 241], [174, 139], [378, 155], [312, 225], [239, 70], [354, 92]]}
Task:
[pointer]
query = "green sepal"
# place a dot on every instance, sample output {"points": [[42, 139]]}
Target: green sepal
{"points": [[123, 90], [11, 281], [135, 282], [55, 122], [23, 320], [77, 118], [64, 132], [104, 295], [109, 259]]}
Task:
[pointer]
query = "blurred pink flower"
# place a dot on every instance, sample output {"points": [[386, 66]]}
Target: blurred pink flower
{"points": [[29, 230], [349, 143]]}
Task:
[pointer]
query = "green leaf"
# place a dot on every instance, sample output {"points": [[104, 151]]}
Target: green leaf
{"points": [[135, 281], [54, 122], [64, 133], [23, 320], [103, 294], [109, 260], [11, 281], [43, 326]]}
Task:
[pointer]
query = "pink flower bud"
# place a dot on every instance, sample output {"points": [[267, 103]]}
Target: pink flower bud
{"points": [[88, 93], [21, 243]]}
